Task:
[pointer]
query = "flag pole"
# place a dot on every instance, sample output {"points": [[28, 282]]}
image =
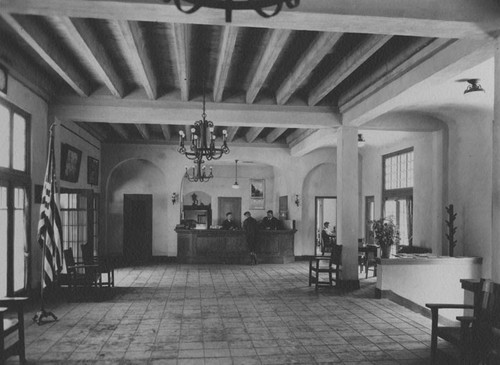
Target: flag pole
{"points": [[42, 313]]}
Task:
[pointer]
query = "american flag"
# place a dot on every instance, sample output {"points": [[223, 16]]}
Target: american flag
{"points": [[50, 225]]}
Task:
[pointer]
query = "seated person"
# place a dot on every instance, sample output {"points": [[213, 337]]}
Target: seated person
{"points": [[327, 236], [270, 222], [229, 224]]}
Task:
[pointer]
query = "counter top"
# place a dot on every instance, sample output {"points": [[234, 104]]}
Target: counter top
{"points": [[428, 259]]}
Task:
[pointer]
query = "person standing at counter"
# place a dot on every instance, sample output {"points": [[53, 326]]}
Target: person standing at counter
{"points": [[250, 227], [270, 222], [229, 224]]}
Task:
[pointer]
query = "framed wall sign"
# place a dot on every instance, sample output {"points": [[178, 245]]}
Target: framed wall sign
{"points": [[3, 79], [92, 171], [257, 187], [71, 158]]}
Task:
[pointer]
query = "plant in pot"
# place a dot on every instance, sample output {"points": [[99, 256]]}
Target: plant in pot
{"points": [[386, 234]]}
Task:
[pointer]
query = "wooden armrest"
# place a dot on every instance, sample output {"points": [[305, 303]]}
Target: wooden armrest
{"points": [[83, 267], [3, 309], [13, 300], [449, 306], [466, 319]]}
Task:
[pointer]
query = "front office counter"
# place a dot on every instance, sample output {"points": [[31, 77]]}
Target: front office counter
{"points": [[213, 246]]}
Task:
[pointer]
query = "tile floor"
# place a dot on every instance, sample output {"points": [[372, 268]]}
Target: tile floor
{"points": [[229, 314]]}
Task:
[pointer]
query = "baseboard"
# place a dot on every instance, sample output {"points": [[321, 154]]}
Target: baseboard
{"points": [[303, 258], [414, 307], [348, 284], [164, 259]]}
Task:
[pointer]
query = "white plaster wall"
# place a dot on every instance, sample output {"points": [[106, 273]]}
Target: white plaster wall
{"points": [[289, 173], [136, 177], [425, 206], [28, 101]]}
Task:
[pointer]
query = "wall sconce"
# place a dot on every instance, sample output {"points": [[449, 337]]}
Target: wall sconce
{"points": [[297, 201], [174, 198], [361, 140]]}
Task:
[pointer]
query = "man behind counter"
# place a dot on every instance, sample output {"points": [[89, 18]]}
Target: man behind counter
{"points": [[270, 222], [229, 224]]}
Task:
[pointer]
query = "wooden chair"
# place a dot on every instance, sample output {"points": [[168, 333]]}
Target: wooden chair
{"points": [[80, 277], [326, 265], [474, 338], [370, 259], [104, 266], [9, 326]]}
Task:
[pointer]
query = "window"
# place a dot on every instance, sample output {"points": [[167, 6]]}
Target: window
{"points": [[398, 192], [79, 214], [15, 185]]}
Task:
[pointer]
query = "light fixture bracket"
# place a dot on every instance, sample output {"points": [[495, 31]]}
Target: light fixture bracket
{"points": [[230, 5]]}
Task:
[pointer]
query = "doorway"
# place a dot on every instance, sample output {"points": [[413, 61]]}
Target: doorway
{"points": [[326, 211], [232, 205], [137, 228]]}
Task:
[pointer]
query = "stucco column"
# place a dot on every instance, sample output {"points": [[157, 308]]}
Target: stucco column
{"points": [[495, 234], [347, 203]]}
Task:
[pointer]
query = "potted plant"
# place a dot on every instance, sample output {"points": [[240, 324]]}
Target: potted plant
{"points": [[386, 234]]}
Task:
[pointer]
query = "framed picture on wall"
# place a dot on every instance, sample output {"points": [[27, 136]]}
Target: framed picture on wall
{"points": [[71, 158], [257, 204], [257, 188], [92, 171]]}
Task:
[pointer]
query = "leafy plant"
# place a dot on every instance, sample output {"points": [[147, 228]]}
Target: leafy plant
{"points": [[386, 232]]}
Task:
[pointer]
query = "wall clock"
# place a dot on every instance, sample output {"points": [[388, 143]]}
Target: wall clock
{"points": [[3, 79]]}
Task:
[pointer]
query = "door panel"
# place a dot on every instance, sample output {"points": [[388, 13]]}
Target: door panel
{"points": [[137, 228]]}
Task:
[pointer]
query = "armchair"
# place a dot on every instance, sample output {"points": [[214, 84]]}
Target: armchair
{"points": [[104, 266], [79, 275], [9, 326]]}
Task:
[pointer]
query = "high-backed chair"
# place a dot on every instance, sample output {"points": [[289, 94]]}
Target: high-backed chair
{"points": [[475, 338], [370, 259], [9, 326], [79, 276], [104, 266], [326, 265]]}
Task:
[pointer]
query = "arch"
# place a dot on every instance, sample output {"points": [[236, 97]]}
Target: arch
{"points": [[135, 176]]}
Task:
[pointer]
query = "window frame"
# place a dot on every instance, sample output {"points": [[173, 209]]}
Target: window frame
{"points": [[12, 179]]}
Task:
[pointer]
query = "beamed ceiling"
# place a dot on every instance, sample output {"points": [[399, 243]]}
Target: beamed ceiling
{"points": [[134, 71]]}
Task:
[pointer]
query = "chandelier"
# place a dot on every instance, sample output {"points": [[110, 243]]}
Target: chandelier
{"points": [[230, 5], [202, 147]]}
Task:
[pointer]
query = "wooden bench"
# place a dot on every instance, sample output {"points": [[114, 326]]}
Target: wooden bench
{"points": [[476, 337], [9, 326]]}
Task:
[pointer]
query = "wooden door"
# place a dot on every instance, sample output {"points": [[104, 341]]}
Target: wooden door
{"points": [[227, 205], [137, 227]]}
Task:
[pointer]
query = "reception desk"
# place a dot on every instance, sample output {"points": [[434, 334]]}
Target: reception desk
{"points": [[195, 246]]}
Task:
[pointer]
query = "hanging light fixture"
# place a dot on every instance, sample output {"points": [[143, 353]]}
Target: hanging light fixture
{"points": [[236, 185], [202, 146], [230, 5], [361, 140], [474, 85]]}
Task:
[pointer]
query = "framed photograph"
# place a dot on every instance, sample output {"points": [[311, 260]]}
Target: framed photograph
{"points": [[257, 204], [257, 187], [70, 163], [92, 171]]}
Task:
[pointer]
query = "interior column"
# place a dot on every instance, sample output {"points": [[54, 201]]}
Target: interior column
{"points": [[347, 204], [495, 234]]}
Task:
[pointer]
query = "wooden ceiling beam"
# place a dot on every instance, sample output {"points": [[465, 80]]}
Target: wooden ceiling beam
{"points": [[231, 133], [449, 19], [45, 47], [275, 134], [181, 36], [136, 45], [166, 132], [421, 50], [129, 110], [118, 128], [85, 39], [298, 136], [321, 46], [253, 133], [347, 66], [143, 130], [273, 49], [229, 36]]}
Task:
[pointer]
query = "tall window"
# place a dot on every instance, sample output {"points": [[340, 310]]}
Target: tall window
{"points": [[398, 192], [14, 203], [79, 211]]}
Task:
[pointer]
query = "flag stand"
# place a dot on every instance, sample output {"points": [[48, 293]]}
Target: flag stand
{"points": [[44, 232], [42, 313]]}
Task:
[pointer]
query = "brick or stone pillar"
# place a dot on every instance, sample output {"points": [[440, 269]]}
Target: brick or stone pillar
{"points": [[348, 203], [495, 234]]}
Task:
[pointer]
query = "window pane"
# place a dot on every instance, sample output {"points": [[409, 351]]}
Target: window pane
{"points": [[19, 238], [3, 241], [19, 143], [4, 136]]}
